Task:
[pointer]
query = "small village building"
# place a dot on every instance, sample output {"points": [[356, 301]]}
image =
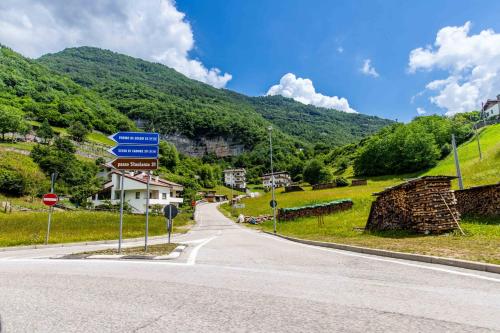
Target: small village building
{"points": [[212, 196], [235, 178], [281, 179], [491, 108], [162, 192], [423, 205]]}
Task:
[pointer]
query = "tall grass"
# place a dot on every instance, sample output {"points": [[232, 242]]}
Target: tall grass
{"points": [[24, 228]]}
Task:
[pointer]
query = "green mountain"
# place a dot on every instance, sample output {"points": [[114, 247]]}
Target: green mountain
{"points": [[26, 86], [173, 104]]}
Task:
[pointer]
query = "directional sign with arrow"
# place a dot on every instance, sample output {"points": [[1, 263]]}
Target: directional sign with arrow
{"points": [[135, 164], [136, 138], [141, 151]]}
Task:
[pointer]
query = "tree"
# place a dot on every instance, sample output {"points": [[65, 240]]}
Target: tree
{"points": [[169, 157], [10, 120], [315, 172], [45, 132], [24, 129], [78, 131]]}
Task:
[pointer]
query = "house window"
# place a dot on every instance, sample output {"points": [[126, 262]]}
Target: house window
{"points": [[137, 195], [164, 196]]}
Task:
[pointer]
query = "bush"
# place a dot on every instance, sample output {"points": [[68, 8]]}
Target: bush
{"points": [[315, 172], [341, 182]]}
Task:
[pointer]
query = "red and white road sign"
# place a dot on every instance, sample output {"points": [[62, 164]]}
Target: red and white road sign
{"points": [[50, 199]]}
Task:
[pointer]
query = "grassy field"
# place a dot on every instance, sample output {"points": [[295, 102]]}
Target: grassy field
{"points": [[156, 250], [482, 240], [475, 171], [24, 228]]}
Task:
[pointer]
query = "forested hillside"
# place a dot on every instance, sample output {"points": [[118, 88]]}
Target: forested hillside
{"points": [[32, 90], [175, 104]]}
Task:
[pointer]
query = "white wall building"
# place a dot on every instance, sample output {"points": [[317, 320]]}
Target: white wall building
{"points": [[491, 108], [162, 192], [281, 179], [235, 178]]}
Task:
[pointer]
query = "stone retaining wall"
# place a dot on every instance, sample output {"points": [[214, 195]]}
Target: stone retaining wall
{"points": [[324, 186], [480, 200]]}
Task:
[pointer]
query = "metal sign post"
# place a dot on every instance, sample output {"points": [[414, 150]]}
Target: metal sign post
{"points": [[52, 180], [457, 163], [147, 213], [122, 195], [170, 211], [135, 151]]}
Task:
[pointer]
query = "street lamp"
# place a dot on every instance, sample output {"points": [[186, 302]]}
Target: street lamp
{"points": [[270, 129]]}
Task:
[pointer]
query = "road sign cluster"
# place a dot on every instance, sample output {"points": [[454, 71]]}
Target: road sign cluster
{"points": [[135, 150]]}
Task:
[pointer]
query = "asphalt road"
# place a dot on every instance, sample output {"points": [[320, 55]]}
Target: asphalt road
{"points": [[231, 279]]}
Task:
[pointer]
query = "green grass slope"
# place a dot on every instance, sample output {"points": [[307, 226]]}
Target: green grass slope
{"points": [[475, 171]]}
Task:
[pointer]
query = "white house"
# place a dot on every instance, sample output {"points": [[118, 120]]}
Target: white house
{"points": [[491, 108], [281, 179], [161, 192], [235, 178]]}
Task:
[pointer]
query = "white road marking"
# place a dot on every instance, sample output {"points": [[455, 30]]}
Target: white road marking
{"points": [[192, 256], [347, 253]]}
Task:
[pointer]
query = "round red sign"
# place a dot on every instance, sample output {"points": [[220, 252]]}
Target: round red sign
{"points": [[50, 199]]}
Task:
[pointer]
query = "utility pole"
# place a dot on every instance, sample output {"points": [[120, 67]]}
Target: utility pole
{"points": [[477, 134], [457, 164], [270, 128]]}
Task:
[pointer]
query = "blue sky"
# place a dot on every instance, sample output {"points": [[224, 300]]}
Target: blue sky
{"points": [[380, 57], [259, 41]]}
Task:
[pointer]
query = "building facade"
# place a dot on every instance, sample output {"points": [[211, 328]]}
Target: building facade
{"points": [[161, 192], [235, 178], [491, 108], [281, 179]]}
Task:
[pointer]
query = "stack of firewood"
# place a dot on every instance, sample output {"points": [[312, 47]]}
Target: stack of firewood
{"points": [[285, 214], [481, 200], [423, 205]]}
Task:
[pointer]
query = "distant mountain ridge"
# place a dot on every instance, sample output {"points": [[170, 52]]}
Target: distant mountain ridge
{"points": [[174, 104]]}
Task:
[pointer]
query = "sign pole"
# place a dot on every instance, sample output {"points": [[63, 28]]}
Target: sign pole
{"points": [[169, 222], [147, 213], [52, 180], [457, 163], [122, 194]]}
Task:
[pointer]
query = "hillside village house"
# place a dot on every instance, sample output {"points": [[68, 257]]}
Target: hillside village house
{"points": [[491, 108], [162, 192], [235, 178], [281, 179]]}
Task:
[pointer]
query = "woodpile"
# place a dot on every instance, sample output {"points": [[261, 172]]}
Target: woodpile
{"points": [[324, 186], [285, 214], [423, 205], [293, 188], [358, 182], [481, 200]]}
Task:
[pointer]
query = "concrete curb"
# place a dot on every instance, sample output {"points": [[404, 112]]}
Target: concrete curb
{"points": [[172, 255], [43, 246], [478, 266]]}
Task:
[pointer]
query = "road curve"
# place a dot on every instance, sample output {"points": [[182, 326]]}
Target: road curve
{"points": [[232, 279]]}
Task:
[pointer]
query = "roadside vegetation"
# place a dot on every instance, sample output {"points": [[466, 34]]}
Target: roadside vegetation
{"points": [[27, 228], [482, 239]]}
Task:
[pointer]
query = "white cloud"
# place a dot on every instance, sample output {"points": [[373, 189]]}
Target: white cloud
{"points": [[340, 49], [471, 61], [368, 69], [302, 90], [421, 111], [151, 30]]}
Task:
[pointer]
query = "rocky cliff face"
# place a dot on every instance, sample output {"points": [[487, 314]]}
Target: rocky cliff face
{"points": [[221, 147]]}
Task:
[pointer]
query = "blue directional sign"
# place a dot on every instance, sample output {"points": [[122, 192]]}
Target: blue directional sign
{"points": [[136, 138], [140, 151]]}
